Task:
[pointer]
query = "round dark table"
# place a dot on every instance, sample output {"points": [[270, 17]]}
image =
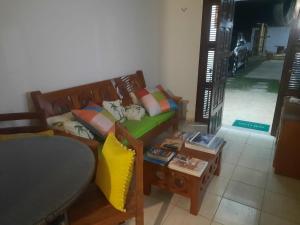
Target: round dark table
{"points": [[40, 177]]}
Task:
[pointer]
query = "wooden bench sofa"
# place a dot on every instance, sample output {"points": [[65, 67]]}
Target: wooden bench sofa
{"points": [[87, 210], [62, 101]]}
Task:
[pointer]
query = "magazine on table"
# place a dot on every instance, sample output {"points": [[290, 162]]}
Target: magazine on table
{"points": [[204, 142], [173, 144], [189, 165], [155, 161], [159, 154]]}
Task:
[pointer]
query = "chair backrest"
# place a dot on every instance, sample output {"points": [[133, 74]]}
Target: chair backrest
{"points": [[62, 101], [35, 122]]}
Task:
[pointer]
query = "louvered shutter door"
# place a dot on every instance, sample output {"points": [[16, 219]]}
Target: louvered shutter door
{"points": [[217, 22], [290, 80], [294, 81]]}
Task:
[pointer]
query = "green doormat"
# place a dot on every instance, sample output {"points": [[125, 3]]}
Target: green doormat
{"points": [[251, 125]]}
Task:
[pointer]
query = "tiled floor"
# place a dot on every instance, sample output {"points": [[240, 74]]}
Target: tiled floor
{"points": [[252, 95], [246, 193]]}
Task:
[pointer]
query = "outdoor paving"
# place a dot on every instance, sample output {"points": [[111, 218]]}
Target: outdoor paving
{"points": [[251, 95], [270, 69]]}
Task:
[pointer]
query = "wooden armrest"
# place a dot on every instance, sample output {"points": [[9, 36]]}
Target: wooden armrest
{"points": [[22, 116], [33, 127], [177, 99], [137, 145]]}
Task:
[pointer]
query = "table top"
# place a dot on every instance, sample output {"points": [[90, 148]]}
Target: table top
{"points": [[40, 177]]}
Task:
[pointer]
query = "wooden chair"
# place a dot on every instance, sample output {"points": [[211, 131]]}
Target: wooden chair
{"points": [[93, 209], [38, 122]]}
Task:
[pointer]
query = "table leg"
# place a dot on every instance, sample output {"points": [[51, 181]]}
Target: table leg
{"points": [[195, 206], [218, 170], [147, 189], [196, 198]]}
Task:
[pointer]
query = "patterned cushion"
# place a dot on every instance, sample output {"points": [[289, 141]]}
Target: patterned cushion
{"points": [[78, 129], [114, 171], [67, 123], [98, 120], [57, 122], [156, 101], [116, 109], [134, 112]]}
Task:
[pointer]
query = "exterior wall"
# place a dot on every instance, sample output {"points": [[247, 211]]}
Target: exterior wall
{"points": [[277, 36]]}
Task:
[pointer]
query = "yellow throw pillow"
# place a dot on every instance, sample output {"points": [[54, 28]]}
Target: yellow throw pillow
{"points": [[114, 171], [7, 137]]}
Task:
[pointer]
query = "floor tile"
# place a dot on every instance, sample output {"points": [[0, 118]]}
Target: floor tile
{"points": [[231, 157], [250, 176], [254, 162], [283, 185], [221, 132], [156, 211], [181, 202], [217, 185], [267, 219], [245, 194], [259, 140], [233, 146], [258, 152], [233, 213], [209, 205], [178, 216], [226, 170], [216, 223], [282, 206], [160, 194], [236, 136]]}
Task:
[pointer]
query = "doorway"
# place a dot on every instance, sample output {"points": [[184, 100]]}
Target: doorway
{"points": [[216, 70], [258, 47]]}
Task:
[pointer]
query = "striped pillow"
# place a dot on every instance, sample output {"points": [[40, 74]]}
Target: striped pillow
{"points": [[156, 101], [97, 119]]}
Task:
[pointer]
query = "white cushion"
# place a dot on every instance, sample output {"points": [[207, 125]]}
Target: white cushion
{"points": [[134, 112], [66, 122], [116, 109]]}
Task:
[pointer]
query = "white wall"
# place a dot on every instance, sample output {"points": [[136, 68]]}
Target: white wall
{"points": [[277, 36], [52, 44], [181, 29]]}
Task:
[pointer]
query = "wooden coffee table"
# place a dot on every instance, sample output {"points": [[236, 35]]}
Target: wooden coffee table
{"points": [[181, 183]]}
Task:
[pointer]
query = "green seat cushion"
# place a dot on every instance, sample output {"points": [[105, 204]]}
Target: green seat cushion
{"points": [[138, 128]]}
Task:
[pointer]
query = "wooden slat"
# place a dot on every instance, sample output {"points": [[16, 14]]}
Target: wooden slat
{"points": [[64, 100], [217, 22], [9, 117], [290, 80]]}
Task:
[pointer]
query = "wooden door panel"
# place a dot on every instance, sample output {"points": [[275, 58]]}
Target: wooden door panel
{"points": [[217, 23], [290, 80]]}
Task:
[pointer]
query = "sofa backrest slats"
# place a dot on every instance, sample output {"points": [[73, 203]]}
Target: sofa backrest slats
{"points": [[62, 101], [126, 84]]}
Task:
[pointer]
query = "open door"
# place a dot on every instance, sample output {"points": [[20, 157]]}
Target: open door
{"points": [[290, 80], [216, 33]]}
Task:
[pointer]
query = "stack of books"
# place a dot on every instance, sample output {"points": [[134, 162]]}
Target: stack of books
{"points": [[173, 144], [208, 143], [189, 165], [158, 155]]}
